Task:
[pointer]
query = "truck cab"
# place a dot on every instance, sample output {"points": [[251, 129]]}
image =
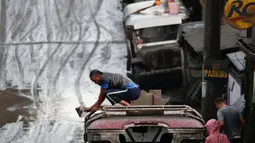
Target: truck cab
{"points": [[153, 51], [145, 123]]}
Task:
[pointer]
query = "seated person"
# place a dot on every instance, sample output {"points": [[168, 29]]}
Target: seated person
{"points": [[115, 87]]}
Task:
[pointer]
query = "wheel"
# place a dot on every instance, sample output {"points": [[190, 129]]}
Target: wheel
{"points": [[136, 70]]}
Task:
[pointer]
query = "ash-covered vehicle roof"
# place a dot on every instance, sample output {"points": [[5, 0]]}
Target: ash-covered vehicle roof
{"points": [[170, 121], [193, 33], [171, 116]]}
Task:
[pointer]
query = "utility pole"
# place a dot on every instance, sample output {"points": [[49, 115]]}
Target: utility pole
{"points": [[249, 128], [210, 90]]}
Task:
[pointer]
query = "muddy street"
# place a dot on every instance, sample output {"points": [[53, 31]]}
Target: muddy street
{"points": [[47, 49], [15, 104]]}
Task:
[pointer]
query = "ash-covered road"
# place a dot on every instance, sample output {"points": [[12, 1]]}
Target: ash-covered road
{"points": [[47, 49]]}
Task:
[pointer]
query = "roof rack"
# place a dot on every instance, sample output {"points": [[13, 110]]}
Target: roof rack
{"points": [[150, 110]]}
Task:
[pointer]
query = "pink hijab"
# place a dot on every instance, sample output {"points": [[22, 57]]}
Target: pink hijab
{"points": [[214, 136]]}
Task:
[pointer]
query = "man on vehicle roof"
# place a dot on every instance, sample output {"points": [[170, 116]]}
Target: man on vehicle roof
{"points": [[115, 87]]}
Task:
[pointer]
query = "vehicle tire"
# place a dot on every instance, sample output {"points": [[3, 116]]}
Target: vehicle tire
{"points": [[136, 70]]}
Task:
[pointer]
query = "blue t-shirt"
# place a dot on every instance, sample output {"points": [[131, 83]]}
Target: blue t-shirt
{"points": [[130, 85], [104, 85]]}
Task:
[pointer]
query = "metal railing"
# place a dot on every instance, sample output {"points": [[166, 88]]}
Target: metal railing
{"points": [[141, 110], [150, 110]]}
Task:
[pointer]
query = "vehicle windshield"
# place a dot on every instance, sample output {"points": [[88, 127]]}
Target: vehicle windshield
{"points": [[156, 34]]}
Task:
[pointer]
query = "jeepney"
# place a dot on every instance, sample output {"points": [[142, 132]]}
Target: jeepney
{"points": [[145, 123]]}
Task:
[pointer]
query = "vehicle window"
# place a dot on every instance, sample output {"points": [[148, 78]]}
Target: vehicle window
{"points": [[195, 59], [156, 34]]}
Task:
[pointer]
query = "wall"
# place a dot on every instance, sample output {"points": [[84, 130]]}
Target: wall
{"points": [[234, 93]]}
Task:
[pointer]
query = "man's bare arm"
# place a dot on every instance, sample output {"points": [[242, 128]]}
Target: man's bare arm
{"points": [[220, 119], [221, 124], [241, 117], [99, 101], [101, 98]]}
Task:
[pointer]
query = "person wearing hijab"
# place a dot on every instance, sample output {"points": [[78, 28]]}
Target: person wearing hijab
{"points": [[214, 135]]}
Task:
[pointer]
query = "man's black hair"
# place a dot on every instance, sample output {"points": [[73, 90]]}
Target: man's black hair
{"points": [[95, 72], [219, 100]]}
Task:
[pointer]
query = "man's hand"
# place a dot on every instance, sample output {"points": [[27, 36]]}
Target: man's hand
{"points": [[98, 103], [86, 109], [94, 108], [242, 121]]}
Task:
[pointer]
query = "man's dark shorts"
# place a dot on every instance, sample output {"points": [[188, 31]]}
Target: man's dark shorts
{"points": [[116, 95]]}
